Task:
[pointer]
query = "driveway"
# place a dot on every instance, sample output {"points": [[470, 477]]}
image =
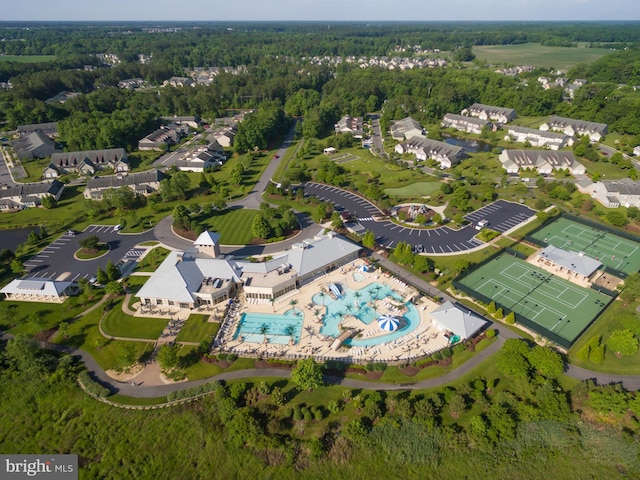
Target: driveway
{"points": [[57, 258]]}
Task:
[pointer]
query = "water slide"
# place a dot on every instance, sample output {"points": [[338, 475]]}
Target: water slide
{"points": [[335, 290]]}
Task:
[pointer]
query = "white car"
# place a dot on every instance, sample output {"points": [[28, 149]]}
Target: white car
{"points": [[117, 228]]}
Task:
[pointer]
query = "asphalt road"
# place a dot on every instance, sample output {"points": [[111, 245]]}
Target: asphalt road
{"points": [[58, 257], [5, 176]]}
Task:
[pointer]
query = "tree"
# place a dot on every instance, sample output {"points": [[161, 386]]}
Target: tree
{"points": [[90, 243], [49, 202], [616, 218], [623, 342], [180, 184], [168, 356], [101, 277], [113, 273], [546, 361], [113, 288], [369, 239], [16, 266], [260, 228], [307, 374]]}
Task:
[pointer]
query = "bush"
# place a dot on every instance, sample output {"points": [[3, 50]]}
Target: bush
{"points": [[509, 319], [334, 407], [380, 367], [499, 314], [307, 415], [437, 356], [194, 391], [596, 355], [232, 357], [490, 333], [317, 414], [446, 353], [297, 414], [222, 356], [94, 388], [461, 347], [288, 412]]}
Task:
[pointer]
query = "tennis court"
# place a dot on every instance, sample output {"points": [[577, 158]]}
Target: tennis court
{"points": [[542, 301], [611, 250]]}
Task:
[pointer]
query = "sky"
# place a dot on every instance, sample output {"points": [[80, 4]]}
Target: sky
{"points": [[319, 10]]}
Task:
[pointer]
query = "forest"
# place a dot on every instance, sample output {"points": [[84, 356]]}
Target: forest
{"points": [[516, 417]]}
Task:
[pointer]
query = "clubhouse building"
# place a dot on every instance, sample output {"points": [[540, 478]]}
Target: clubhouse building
{"points": [[202, 277]]}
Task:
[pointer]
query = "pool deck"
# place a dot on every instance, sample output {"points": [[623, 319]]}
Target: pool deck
{"points": [[426, 337]]}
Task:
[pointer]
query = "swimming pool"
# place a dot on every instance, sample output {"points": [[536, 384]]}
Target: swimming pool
{"points": [[250, 327], [359, 304]]}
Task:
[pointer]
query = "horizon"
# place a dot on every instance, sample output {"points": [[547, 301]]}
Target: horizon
{"points": [[323, 11]]}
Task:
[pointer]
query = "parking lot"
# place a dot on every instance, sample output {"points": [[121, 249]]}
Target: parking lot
{"points": [[500, 216], [57, 260]]}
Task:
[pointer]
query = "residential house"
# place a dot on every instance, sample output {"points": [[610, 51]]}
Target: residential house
{"points": [[211, 156], [182, 120], [615, 193], [488, 112], [465, 124], [39, 290], [545, 162], [159, 140], [537, 138], [26, 195], [87, 162], [34, 145], [131, 83], [50, 129], [142, 183], [224, 136], [569, 126], [406, 128], [179, 82], [352, 125], [201, 276], [50, 172], [61, 97], [424, 148]]}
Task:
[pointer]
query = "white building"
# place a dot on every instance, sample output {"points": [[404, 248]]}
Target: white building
{"points": [[538, 138], [424, 148], [488, 112], [465, 123], [457, 320], [569, 126], [201, 276], [544, 162], [38, 290], [614, 193], [406, 128]]}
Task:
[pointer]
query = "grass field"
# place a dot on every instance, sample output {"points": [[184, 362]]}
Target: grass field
{"points": [[27, 58], [611, 250], [418, 189], [538, 55], [547, 301], [197, 329], [119, 324], [234, 226]]}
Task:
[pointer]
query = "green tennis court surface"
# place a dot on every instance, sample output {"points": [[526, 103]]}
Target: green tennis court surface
{"points": [[611, 250], [546, 302]]}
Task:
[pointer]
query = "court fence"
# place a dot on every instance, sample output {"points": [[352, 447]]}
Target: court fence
{"points": [[589, 223]]}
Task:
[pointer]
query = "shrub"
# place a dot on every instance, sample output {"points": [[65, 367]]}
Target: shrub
{"points": [[369, 367], [446, 353], [232, 357], [317, 414], [509, 319], [499, 314], [461, 347], [596, 355], [93, 387], [288, 412], [306, 413], [334, 407], [490, 333], [194, 391], [380, 367], [222, 356], [437, 356], [297, 414]]}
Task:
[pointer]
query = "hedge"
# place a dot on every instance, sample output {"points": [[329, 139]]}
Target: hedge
{"points": [[94, 388], [194, 391]]}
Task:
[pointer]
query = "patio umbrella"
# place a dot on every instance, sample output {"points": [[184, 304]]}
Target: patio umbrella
{"points": [[388, 323]]}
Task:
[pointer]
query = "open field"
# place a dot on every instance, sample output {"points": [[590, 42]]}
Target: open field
{"points": [[27, 58], [418, 189], [611, 250], [234, 226], [197, 329], [550, 304], [538, 55]]}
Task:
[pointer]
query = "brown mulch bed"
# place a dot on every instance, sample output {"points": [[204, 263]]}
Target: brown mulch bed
{"points": [[373, 375], [264, 364], [409, 370], [46, 335]]}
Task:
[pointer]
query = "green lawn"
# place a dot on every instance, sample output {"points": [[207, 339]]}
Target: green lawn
{"points": [[152, 260], [538, 55], [27, 58], [198, 329], [418, 189], [32, 317], [119, 324], [617, 316], [234, 226]]}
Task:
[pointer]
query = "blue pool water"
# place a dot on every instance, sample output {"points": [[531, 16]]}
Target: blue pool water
{"points": [[250, 325], [359, 304]]}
